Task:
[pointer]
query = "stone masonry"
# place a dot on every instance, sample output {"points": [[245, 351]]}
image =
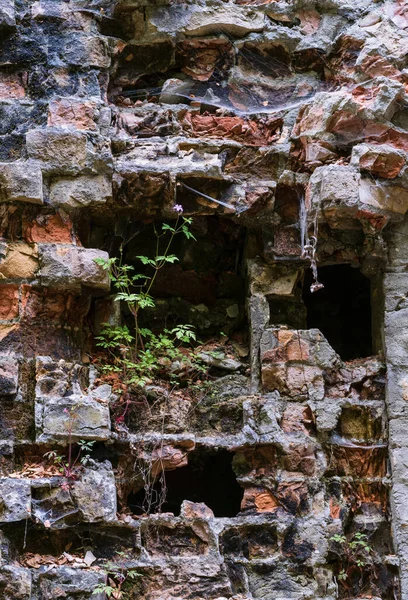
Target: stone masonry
{"points": [[281, 128]]}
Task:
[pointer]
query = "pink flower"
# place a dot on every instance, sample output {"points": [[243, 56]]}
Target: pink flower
{"points": [[178, 208]]}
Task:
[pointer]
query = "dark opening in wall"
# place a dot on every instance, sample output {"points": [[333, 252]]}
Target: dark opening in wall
{"points": [[341, 310], [204, 287], [208, 478], [288, 310]]}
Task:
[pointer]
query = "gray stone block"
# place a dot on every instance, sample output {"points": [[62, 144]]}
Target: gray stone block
{"points": [[397, 432], [399, 468], [233, 20], [15, 583], [15, 499], [70, 583], [21, 182], [396, 345], [82, 191], [87, 419], [86, 50], [94, 493], [59, 149], [395, 286], [70, 266], [89, 497], [335, 184], [7, 14], [397, 391]]}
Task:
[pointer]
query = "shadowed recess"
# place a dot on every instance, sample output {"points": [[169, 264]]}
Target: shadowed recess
{"points": [[208, 478], [341, 310]]}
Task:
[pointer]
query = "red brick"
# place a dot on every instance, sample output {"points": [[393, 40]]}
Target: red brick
{"points": [[259, 499], [8, 302], [234, 128], [72, 112], [48, 229], [11, 87]]}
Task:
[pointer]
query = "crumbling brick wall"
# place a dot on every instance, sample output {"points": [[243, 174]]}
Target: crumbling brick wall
{"points": [[281, 127]]}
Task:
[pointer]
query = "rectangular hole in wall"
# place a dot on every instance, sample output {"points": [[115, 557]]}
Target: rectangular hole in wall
{"points": [[341, 310]]}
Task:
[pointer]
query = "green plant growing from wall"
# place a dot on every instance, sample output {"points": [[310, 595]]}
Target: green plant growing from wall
{"points": [[356, 555], [119, 578], [140, 354]]}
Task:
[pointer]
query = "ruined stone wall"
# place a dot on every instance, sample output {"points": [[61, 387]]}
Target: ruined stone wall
{"points": [[281, 127]]}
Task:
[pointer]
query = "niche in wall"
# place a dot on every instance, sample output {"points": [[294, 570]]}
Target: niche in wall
{"points": [[208, 478], [341, 310]]}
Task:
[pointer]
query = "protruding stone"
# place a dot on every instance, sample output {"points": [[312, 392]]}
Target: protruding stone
{"points": [[167, 458], [196, 20], [259, 500], [11, 87], [220, 362], [87, 51], [9, 308], [195, 510], [344, 197], [382, 160], [72, 112], [8, 375], [70, 582], [293, 362], [390, 198], [15, 583], [72, 266], [272, 280], [230, 20]]}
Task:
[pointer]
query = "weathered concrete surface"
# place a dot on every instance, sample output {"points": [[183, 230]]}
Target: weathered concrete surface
{"points": [[396, 355]]}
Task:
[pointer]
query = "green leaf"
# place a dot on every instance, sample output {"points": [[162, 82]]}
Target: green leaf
{"points": [[139, 276], [129, 298], [171, 258], [341, 539], [86, 444], [134, 575], [146, 260], [144, 332], [146, 301], [188, 233]]}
